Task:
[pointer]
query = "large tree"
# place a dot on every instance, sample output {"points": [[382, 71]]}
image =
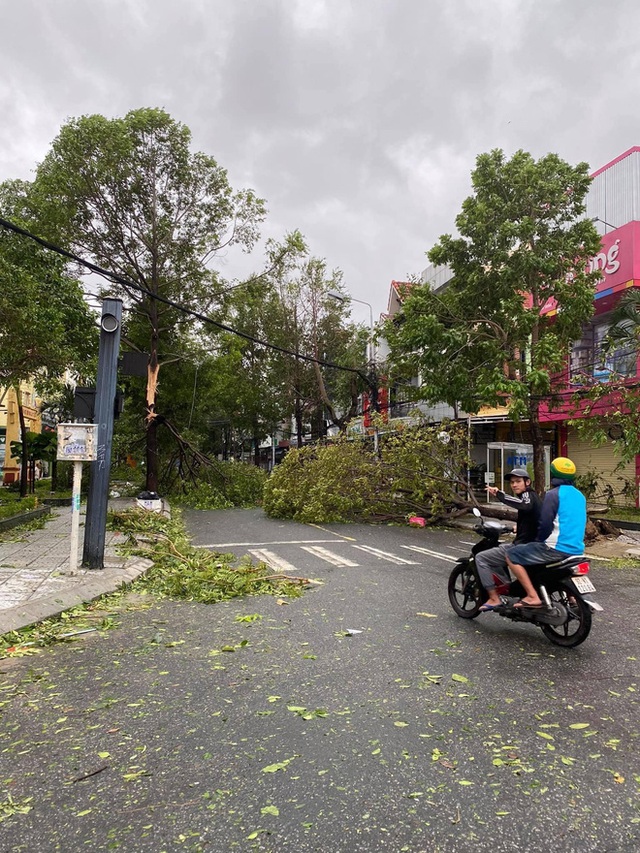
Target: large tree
{"points": [[521, 290], [46, 326], [130, 195]]}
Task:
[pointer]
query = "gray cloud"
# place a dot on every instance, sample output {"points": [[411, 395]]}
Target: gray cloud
{"points": [[358, 120]]}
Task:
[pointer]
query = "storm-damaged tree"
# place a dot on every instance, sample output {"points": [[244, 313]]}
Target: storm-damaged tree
{"points": [[315, 325], [501, 330], [46, 326], [130, 195]]}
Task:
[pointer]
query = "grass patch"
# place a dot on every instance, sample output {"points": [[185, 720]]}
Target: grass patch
{"points": [[619, 514], [181, 571], [12, 504]]}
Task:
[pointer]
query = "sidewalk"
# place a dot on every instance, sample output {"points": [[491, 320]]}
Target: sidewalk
{"points": [[35, 582]]}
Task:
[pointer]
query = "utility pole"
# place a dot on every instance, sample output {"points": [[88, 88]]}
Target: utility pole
{"points": [[96, 519]]}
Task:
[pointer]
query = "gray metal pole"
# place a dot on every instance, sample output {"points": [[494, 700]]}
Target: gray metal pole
{"points": [[96, 520]]}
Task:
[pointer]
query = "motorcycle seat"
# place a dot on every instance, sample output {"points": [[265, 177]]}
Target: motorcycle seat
{"points": [[573, 560]]}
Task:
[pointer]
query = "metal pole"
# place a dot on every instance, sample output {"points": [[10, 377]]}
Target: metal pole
{"points": [[75, 516], [96, 520]]}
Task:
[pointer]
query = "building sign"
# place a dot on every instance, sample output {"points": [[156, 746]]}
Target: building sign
{"points": [[618, 262], [77, 442]]}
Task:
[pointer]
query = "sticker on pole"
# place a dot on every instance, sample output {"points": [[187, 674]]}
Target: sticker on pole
{"points": [[77, 442]]}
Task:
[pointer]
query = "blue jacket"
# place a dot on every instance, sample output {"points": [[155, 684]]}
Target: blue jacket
{"points": [[563, 518]]}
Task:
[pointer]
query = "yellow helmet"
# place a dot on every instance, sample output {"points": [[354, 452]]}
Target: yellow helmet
{"points": [[563, 469]]}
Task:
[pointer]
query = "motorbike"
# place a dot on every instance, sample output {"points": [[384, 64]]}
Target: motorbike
{"points": [[563, 587]]}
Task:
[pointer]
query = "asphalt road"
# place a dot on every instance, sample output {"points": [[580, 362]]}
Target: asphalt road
{"points": [[257, 724]]}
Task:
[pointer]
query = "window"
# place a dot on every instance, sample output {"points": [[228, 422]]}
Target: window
{"points": [[592, 359]]}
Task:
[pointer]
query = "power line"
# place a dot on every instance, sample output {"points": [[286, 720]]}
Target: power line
{"points": [[118, 279]]}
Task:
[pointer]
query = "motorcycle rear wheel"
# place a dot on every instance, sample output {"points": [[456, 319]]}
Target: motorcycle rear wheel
{"points": [[577, 627], [465, 593]]}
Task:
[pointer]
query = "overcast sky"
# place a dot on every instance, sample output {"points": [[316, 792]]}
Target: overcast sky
{"points": [[359, 121]]}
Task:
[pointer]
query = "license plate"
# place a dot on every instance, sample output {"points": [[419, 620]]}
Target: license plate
{"points": [[583, 584]]}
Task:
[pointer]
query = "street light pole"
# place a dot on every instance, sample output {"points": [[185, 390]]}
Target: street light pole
{"points": [[342, 298], [606, 224], [372, 375]]}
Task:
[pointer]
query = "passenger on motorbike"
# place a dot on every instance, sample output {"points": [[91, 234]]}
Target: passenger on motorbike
{"points": [[492, 563], [561, 532]]}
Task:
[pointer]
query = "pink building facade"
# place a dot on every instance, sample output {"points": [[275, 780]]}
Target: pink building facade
{"points": [[614, 205]]}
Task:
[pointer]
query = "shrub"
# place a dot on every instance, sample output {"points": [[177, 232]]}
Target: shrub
{"points": [[229, 484]]}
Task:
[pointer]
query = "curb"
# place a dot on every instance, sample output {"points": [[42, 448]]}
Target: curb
{"points": [[24, 518], [106, 581]]}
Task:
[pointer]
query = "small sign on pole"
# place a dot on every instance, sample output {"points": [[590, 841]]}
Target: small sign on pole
{"points": [[77, 444]]}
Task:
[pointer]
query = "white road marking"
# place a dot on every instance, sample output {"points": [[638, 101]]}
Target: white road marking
{"points": [[255, 544], [384, 555], [272, 560], [440, 556], [341, 535], [328, 556]]}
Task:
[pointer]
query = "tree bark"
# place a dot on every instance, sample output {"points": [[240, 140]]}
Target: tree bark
{"points": [[537, 441], [24, 455]]}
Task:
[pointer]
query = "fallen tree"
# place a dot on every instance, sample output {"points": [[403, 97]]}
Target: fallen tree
{"points": [[416, 471]]}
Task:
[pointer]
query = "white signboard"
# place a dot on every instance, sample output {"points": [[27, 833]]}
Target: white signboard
{"points": [[77, 442]]}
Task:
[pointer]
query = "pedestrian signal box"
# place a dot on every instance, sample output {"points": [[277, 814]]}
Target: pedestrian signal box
{"points": [[77, 442]]}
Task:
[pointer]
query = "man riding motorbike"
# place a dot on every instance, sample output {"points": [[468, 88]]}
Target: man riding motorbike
{"points": [[563, 520], [492, 563]]}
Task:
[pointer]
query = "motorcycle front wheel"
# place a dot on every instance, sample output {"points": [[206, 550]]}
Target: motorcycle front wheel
{"points": [[465, 593], [576, 629]]}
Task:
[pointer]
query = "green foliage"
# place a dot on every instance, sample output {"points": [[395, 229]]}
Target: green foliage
{"points": [[194, 574], [203, 496], [228, 484], [336, 482], [130, 194], [417, 471], [524, 241], [612, 408], [598, 491], [12, 504], [244, 483], [45, 324]]}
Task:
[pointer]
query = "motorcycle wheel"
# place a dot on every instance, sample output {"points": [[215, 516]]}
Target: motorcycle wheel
{"points": [[465, 594], [576, 629]]}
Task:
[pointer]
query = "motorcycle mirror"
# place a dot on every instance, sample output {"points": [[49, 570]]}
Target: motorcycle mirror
{"points": [[476, 512]]}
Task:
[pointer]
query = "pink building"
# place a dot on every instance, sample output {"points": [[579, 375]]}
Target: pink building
{"points": [[614, 205]]}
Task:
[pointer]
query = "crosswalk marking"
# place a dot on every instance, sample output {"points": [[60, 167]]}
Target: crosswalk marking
{"points": [[218, 545], [430, 553], [272, 560], [328, 556], [384, 555]]}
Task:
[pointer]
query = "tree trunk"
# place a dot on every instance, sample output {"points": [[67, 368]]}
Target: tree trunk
{"points": [[537, 441], [298, 419], [24, 455], [152, 393], [152, 456]]}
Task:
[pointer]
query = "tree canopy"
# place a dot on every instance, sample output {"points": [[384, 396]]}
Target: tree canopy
{"points": [[131, 195], [519, 295]]}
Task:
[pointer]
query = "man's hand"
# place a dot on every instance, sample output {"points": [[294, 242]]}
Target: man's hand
{"points": [[492, 491]]}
